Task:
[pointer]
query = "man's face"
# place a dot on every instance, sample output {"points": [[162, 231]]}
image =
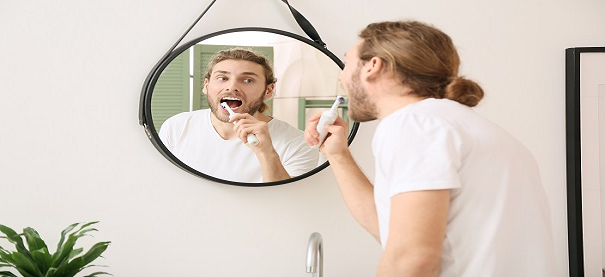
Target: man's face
{"points": [[361, 108], [241, 84]]}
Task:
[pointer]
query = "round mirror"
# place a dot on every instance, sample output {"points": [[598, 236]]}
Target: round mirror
{"points": [[176, 91]]}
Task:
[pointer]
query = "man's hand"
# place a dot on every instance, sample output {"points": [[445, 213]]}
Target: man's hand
{"points": [[247, 124], [336, 141]]}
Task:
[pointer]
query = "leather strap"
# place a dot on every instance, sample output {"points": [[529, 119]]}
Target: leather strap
{"points": [[305, 25]]}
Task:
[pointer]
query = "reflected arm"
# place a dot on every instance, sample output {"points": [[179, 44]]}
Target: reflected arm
{"points": [[271, 167]]}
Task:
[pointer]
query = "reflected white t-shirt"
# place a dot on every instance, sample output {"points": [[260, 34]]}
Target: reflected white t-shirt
{"points": [[191, 138], [499, 220]]}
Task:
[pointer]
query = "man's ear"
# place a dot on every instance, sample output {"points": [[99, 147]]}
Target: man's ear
{"points": [[205, 86], [269, 91], [373, 69]]}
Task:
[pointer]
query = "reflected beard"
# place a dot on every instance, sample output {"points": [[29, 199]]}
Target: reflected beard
{"points": [[361, 109], [216, 109]]}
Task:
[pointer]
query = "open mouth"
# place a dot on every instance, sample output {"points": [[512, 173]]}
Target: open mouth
{"points": [[233, 102]]}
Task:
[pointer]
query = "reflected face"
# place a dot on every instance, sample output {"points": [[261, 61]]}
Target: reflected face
{"points": [[241, 84], [361, 108]]}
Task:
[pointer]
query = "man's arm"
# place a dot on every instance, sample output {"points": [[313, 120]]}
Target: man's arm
{"points": [[272, 168], [417, 228], [355, 188]]}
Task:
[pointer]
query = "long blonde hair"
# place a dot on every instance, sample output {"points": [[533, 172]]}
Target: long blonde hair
{"points": [[423, 57]]}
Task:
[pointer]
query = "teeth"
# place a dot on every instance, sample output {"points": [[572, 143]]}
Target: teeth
{"points": [[231, 98]]}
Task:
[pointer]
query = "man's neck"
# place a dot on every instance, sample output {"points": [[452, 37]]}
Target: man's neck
{"points": [[392, 96]]}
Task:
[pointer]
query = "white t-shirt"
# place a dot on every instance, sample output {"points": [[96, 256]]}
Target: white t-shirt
{"points": [[499, 220], [191, 138]]}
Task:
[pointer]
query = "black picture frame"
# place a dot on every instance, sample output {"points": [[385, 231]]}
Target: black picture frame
{"points": [[573, 158]]}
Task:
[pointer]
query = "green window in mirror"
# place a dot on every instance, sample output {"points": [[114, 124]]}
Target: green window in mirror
{"points": [[306, 103], [171, 92]]}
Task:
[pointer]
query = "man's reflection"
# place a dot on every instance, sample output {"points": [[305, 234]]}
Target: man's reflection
{"points": [[209, 142]]}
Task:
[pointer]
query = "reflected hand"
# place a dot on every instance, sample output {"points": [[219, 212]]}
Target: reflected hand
{"points": [[247, 124], [336, 141]]}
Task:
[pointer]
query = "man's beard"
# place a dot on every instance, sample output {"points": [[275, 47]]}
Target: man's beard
{"points": [[251, 108], [361, 109]]}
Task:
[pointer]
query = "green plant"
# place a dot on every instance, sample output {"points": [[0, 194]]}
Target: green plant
{"points": [[35, 259]]}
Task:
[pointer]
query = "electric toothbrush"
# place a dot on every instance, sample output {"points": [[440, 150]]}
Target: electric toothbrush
{"points": [[327, 118], [252, 140]]}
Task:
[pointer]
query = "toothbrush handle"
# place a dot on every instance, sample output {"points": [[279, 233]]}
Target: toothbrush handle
{"points": [[252, 140], [326, 118]]}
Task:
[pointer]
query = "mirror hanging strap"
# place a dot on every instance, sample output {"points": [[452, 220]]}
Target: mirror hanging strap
{"points": [[305, 25], [142, 119]]}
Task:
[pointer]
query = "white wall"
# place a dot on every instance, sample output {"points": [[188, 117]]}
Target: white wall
{"points": [[71, 148]]}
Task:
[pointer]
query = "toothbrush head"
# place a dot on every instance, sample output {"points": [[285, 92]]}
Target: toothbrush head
{"points": [[339, 100], [226, 106]]}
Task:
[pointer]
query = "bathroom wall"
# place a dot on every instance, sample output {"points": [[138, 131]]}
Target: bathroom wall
{"points": [[71, 148]]}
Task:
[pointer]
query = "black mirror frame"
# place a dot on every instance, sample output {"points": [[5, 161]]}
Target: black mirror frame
{"points": [[145, 116]]}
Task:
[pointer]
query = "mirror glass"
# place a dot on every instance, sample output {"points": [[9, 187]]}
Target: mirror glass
{"points": [[307, 83]]}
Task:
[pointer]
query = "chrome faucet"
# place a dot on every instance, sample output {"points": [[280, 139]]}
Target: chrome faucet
{"points": [[315, 255]]}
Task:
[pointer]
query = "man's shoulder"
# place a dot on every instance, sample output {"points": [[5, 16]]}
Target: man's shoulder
{"points": [[178, 121], [185, 116], [284, 133], [283, 127]]}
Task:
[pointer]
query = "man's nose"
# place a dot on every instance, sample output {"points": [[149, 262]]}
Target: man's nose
{"points": [[232, 86]]}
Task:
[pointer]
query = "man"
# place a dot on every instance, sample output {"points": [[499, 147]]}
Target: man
{"points": [[209, 141], [453, 195]]}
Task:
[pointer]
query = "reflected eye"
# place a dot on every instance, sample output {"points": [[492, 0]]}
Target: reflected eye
{"points": [[221, 78], [249, 81]]}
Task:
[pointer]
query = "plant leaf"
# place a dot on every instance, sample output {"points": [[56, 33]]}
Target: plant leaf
{"points": [[34, 242], [97, 274], [75, 253], [62, 254], [25, 265], [66, 246], [5, 256], [94, 252], [85, 226], [7, 274], [42, 259], [79, 263], [51, 272], [64, 233], [13, 238]]}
